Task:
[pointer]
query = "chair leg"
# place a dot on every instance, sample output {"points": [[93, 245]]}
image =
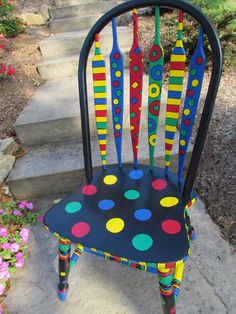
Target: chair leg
{"points": [[64, 267], [191, 231], [177, 278], [168, 299]]}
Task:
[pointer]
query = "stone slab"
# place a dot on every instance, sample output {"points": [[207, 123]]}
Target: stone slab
{"points": [[60, 3], [81, 9], [98, 286], [8, 146], [6, 164], [71, 42]]}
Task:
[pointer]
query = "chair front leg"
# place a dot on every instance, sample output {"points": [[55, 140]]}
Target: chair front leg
{"points": [[168, 300], [64, 267]]}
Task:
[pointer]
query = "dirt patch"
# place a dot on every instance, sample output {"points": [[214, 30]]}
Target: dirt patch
{"points": [[32, 6]]}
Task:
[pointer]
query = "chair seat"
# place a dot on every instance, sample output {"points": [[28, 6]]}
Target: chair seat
{"points": [[136, 214]]}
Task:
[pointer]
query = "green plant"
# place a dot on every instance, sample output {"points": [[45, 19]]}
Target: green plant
{"points": [[10, 25]]}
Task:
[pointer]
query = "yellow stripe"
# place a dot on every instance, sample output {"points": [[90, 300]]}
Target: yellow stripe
{"points": [[99, 70], [100, 107], [102, 131], [177, 73], [142, 264], [104, 162], [175, 88], [173, 101], [102, 142], [97, 44], [170, 128], [168, 152], [178, 58], [179, 43], [100, 95], [98, 58], [173, 115], [168, 141], [167, 163], [180, 26], [101, 119], [103, 152], [99, 83]]}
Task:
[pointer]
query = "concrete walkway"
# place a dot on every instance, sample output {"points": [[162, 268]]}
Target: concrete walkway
{"points": [[99, 286]]}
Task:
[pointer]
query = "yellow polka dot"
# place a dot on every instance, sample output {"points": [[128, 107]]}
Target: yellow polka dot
{"points": [[110, 179], [195, 83], [154, 90], [62, 273], [118, 126], [115, 225], [182, 142], [152, 140], [186, 112], [118, 74], [115, 101], [169, 201]]}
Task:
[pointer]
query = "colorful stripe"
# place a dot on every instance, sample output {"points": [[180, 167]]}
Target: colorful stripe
{"points": [[156, 57], [195, 79], [175, 88], [117, 91], [64, 247], [136, 82], [100, 98]]}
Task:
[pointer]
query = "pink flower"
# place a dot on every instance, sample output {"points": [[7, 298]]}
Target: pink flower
{"points": [[40, 218], [19, 256], [30, 206], [4, 274], [14, 247], [19, 263], [1, 211], [24, 234], [6, 245], [1, 290], [2, 46], [22, 204], [17, 213], [11, 71], [0, 260], [3, 232]]}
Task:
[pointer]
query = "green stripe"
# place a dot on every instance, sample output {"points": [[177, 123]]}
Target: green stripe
{"points": [[99, 89], [167, 158], [171, 121], [101, 125], [176, 80]]}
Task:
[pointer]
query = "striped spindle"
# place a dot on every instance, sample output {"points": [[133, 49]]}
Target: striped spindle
{"points": [[100, 98], [117, 90], [136, 82], [175, 88], [195, 79], [156, 57]]}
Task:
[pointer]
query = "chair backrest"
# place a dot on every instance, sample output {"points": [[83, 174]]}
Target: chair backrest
{"points": [[175, 88]]}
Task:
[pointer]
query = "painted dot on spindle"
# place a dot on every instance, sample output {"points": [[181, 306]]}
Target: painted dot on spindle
{"points": [[118, 74], [195, 83], [117, 55], [181, 151], [159, 184], [199, 60], [114, 65], [115, 101], [117, 126], [187, 122], [183, 132], [193, 72], [171, 226], [89, 189], [186, 112], [136, 174], [80, 229], [190, 102], [182, 142], [116, 119], [116, 83], [190, 92]]}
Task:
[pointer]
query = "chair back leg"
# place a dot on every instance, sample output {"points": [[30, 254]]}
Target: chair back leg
{"points": [[64, 267]]}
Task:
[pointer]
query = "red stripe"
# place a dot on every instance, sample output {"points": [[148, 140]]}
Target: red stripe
{"points": [[101, 113], [168, 146], [181, 16], [177, 65], [172, 108], [99, 76], [102, 146]]}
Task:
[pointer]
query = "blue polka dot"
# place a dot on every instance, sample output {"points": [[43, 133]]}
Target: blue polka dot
{"points": [[106, 204], [136, 174], [143, 214]]}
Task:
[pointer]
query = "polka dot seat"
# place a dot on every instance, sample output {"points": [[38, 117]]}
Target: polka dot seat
{"points": [[136, 214]]}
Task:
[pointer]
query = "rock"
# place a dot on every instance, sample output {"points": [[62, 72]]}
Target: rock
{"points": [[6, 164], [45, 12], [8, 146], [33, 19]]}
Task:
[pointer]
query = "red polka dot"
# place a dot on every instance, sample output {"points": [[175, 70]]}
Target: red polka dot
{"points": [[199, 60], [117, 55], [89, 189], [187, 122], [80, 229], [171, 226], [190, 92], [118, 110], [159, 184], [117, 134], [115, 83], [181, 151]]}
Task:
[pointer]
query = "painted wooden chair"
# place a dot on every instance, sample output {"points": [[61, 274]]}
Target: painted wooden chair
{"points": [[137, 214]]}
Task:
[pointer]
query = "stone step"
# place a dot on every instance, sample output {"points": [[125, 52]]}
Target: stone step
{"points": [[53, 114], [73, 23], [79, 10], [67, 66], [58, 167], [63, 3], [71, 42]]}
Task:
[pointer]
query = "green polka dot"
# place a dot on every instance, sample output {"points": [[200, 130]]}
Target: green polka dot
{"points": [[73, 207], [114, 65], [191, 102], [154, 53], [132, 194], [193, 72], [116, 119], [118, 92], [142, 242], [183, 132]]}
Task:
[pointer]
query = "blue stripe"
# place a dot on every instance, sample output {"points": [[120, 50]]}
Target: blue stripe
{"points": [[98, 64], [102, 136], [100, 101], [169, 135], [174, 94], [178, 51]]}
